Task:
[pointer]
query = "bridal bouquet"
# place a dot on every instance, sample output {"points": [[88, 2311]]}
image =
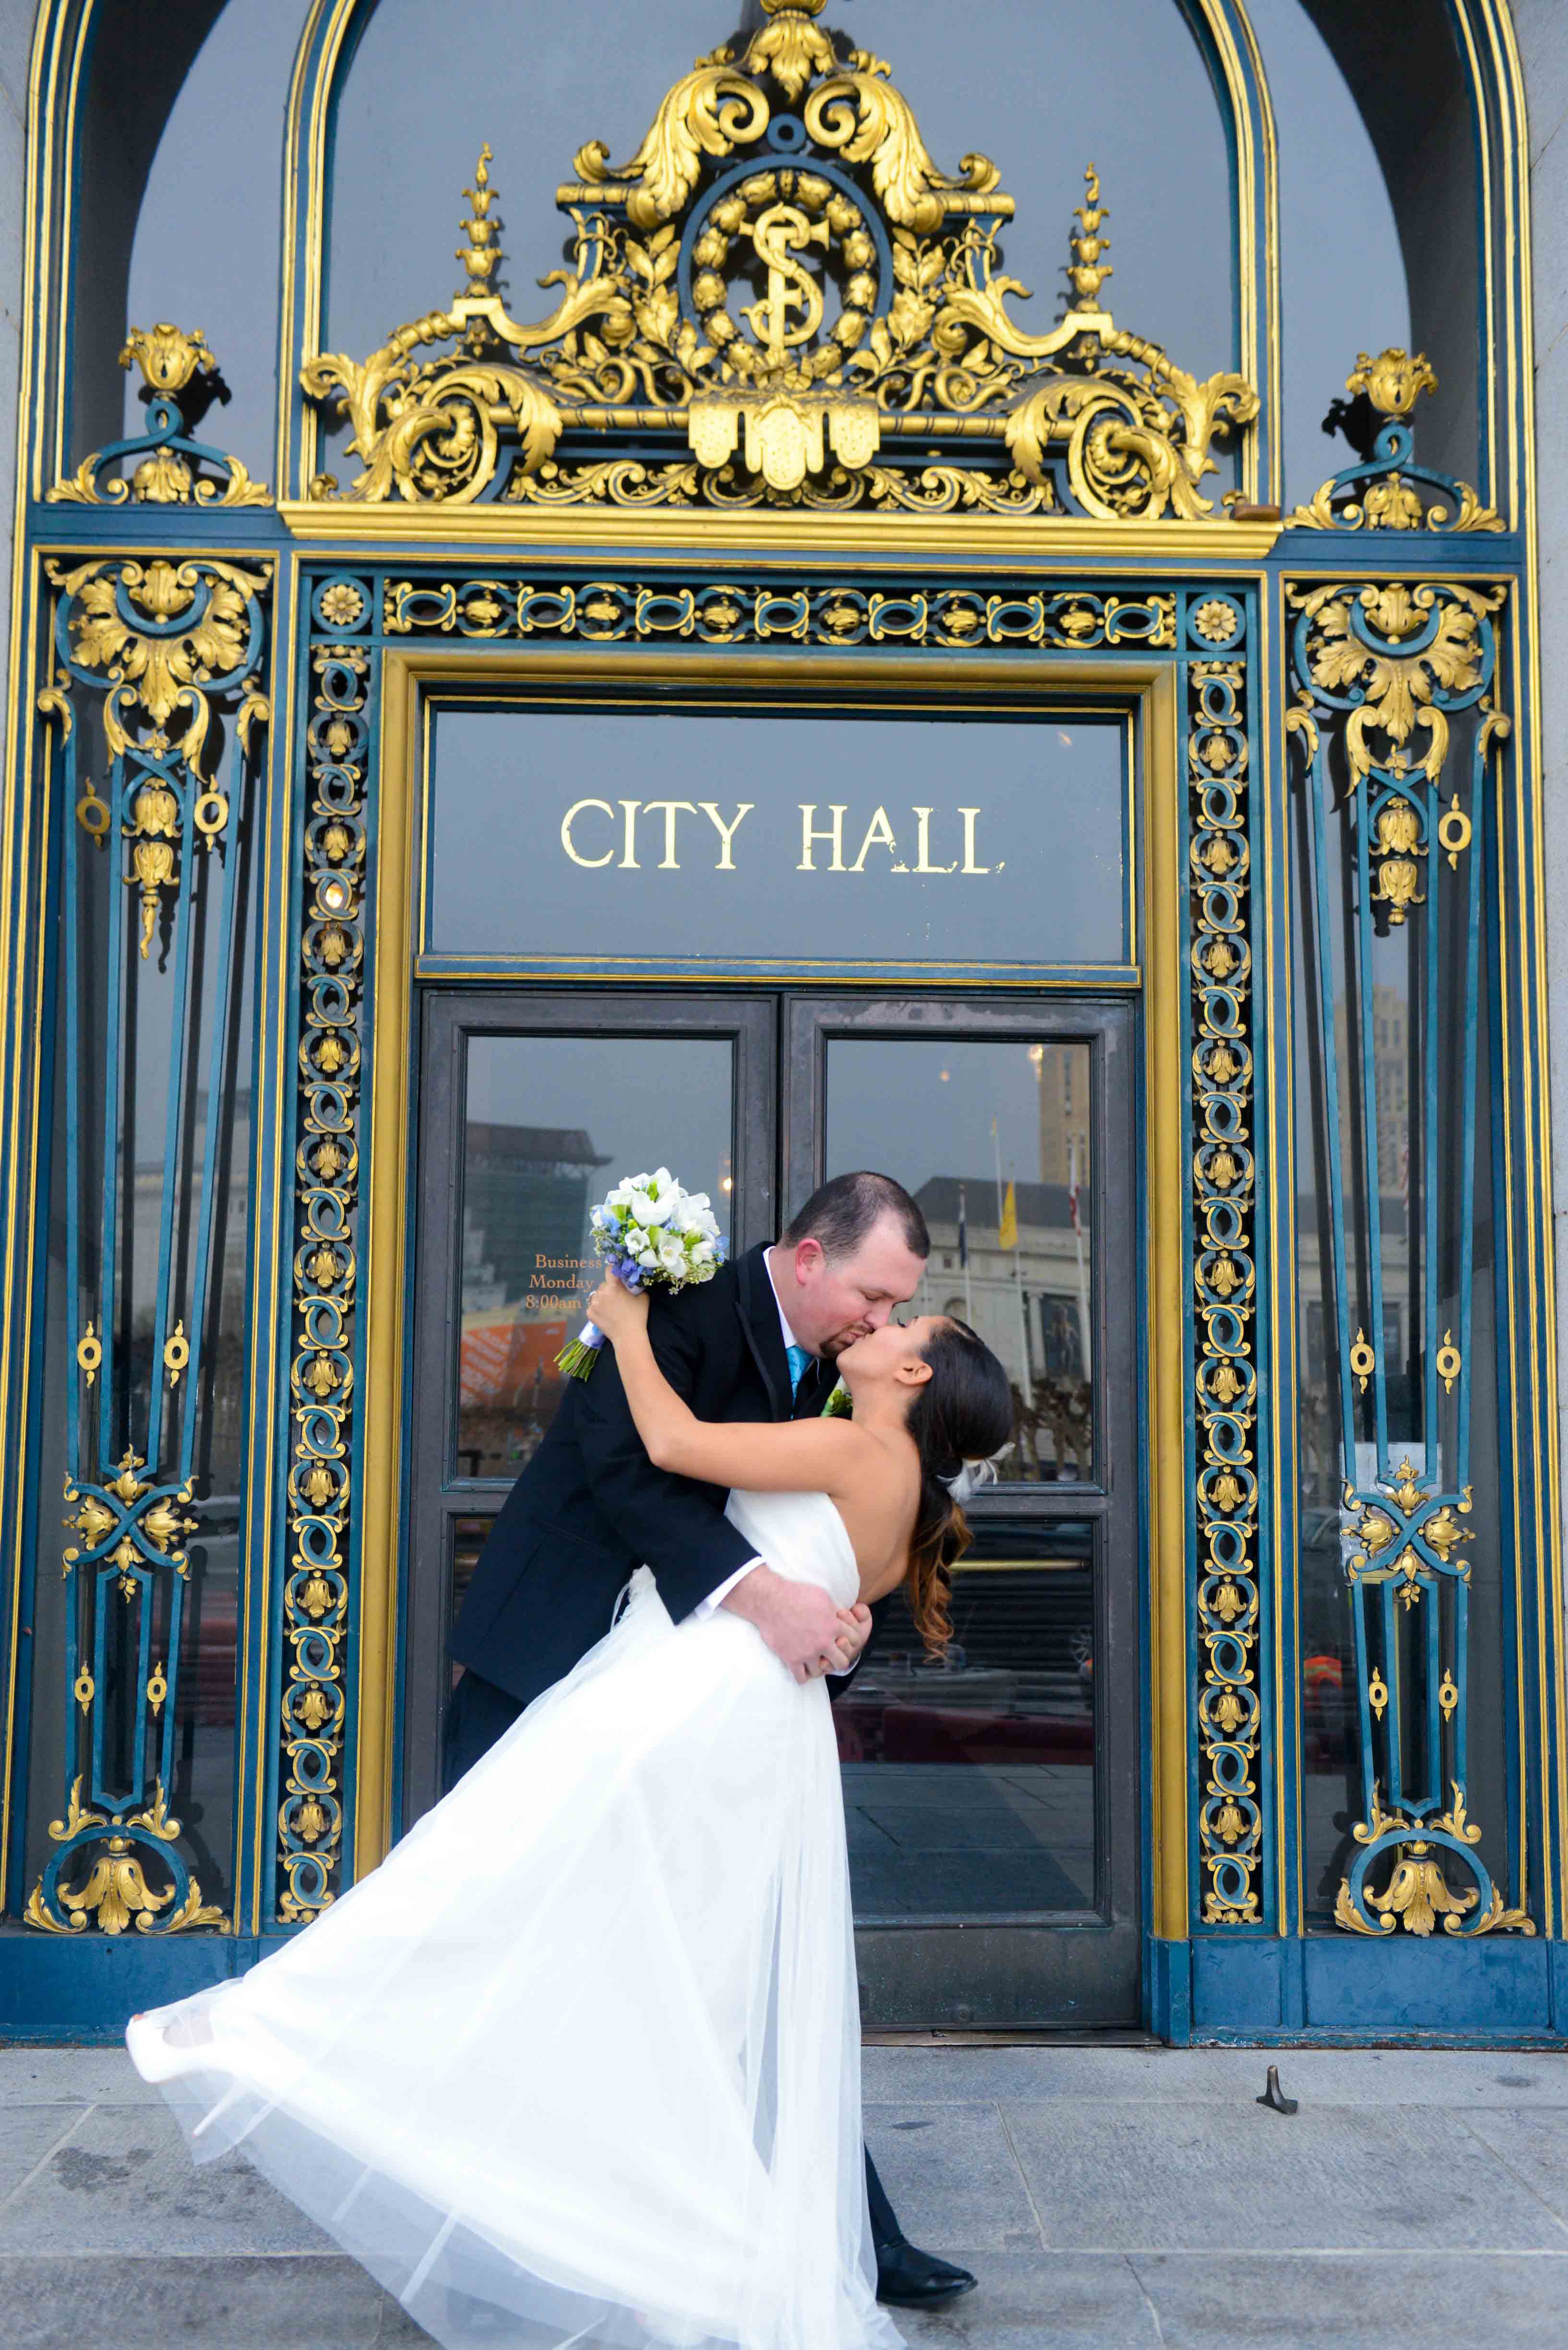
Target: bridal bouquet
{"points": [[650, 1231]]}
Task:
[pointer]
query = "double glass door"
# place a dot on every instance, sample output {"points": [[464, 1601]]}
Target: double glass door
{"points": [[993, 1799]]}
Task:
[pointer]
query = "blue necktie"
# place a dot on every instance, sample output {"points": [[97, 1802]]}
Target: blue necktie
{"points": [[798, 1360]]}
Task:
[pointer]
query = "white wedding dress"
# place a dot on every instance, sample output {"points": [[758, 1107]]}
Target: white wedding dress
{"points": [[580, 2062]]}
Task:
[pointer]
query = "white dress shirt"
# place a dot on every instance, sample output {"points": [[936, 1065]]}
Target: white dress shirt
{"points": [[706, 1606]]}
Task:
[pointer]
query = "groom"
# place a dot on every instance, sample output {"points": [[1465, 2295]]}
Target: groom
{"points": [[757, 1342]]}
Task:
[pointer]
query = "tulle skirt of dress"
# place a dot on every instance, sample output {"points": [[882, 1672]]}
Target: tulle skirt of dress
{"points": [[579, 2062]]}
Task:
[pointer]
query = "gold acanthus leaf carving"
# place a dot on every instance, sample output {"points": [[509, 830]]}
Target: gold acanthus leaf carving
{"points": [[440, 436], [1418, 1894], [790, 48], [861, 116], [711, 110], [116, 1890], [1132, 450], [156, 673], [1398, 688]]}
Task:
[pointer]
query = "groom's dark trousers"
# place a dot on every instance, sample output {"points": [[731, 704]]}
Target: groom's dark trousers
{"points": [[590, 1508]]}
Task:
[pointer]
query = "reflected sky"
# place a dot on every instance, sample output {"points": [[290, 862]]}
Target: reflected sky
{"points": [[912, 1107], [208, 236], [917, 1109], [643, 1102], [1342, 275], [1030, 89]]}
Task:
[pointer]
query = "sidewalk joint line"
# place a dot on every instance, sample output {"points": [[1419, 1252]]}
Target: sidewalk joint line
{"points": [[1147, 2299], [1023, 2175], [46, 2157], [1505, 2165]]}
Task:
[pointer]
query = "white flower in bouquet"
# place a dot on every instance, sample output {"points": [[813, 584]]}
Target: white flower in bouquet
{"points": [[650, 1230]]}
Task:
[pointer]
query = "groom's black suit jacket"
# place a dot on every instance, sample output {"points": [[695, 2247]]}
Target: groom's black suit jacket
{"points": [[590, 1506]]}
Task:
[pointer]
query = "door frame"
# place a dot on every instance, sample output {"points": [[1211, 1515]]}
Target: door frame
{"points": [[1152, 689]]}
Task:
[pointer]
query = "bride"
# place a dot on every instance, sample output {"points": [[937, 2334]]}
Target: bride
{"points": [[579, 2062]]}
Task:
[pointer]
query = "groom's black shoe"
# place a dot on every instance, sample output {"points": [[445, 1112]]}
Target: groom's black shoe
{"points": [[911, 2279]]}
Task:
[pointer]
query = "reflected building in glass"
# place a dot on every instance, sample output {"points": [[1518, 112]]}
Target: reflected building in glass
{"points": [[526, 1201]]}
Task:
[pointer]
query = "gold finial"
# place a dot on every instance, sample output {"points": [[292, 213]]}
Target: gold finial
{"points": [[481, 257], [1086, 272], [1393, 381], [795, 7], [168, 356]]}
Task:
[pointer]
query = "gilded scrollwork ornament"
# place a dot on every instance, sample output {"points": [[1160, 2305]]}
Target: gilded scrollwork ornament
{"points": [[740, 611], [167, 644], [1390, 674], [165, 466], [170, 649], [781, 298], [1223, 1175], [1387, 489], [314, 1705]]}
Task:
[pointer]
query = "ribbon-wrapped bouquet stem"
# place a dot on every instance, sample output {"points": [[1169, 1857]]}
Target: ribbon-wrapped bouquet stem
{"points": [[650, 1232]]}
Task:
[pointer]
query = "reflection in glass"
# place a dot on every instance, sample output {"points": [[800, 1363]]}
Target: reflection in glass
{"points": [[207, 235], [552, 1123], [467, 1539], [797, 839], [1328, 312], [412, 114], [970, 1784], [994, 1142]]}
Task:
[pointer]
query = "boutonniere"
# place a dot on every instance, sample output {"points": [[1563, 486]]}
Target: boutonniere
{"points": [[839, 1405]]}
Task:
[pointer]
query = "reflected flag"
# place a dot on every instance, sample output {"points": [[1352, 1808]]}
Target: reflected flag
{"points": [[1073, 1217], [1008, 1235], [963, 1228]]}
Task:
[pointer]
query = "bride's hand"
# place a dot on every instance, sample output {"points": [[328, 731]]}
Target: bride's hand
{"points": [[615, 1309]]}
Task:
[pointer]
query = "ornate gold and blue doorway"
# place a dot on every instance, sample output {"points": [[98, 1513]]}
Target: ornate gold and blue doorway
{"points": [[994, 1805], [976, 845], [789, 699]]}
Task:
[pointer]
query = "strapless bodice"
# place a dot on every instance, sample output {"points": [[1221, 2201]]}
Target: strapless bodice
{"points": [[800, 1535]]}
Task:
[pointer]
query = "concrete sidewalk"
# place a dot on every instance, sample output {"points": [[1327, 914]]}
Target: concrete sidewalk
{"points": [[1123, 2198]]}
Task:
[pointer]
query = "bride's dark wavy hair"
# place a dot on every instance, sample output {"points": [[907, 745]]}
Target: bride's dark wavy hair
{"points": [[962, 1412]]}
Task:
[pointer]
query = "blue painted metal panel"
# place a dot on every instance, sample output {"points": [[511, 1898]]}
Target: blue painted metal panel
{"points": [[85, 1991], [1238, 1981], [1405, 1985], [1171, 1990]]}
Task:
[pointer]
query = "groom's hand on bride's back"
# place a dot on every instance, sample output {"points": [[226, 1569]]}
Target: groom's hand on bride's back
{"points": [[799, 1621]]}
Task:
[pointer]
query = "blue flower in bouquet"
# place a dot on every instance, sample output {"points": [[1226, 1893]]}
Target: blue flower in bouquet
{"points": [[651, 1232]]}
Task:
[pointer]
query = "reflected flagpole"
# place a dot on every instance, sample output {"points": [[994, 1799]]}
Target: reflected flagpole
{"points": [[964, 1257], [1007, 1237], [1078, 1241]]}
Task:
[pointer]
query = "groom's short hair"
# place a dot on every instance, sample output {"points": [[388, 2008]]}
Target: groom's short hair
{"points": [[841, 1213]]}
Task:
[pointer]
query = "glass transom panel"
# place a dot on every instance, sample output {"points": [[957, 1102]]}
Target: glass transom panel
{"points": [[799, 840]]}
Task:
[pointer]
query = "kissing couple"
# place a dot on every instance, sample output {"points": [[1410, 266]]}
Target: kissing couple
{"points": [[580, 2062]]}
